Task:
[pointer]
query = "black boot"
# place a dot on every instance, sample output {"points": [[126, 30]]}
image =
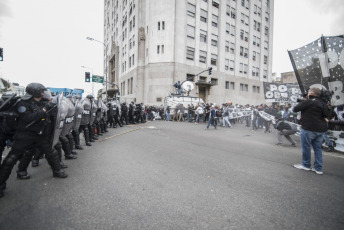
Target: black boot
{"points": [[54, 163], [87, 137], [66, 148], [24, 163], [58, 149], [34, 163], [63, 165], [23, 175], [74, 152], [76, 136]]}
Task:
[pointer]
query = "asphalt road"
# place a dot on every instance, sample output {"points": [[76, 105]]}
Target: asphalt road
{"points": [[164, 175]]}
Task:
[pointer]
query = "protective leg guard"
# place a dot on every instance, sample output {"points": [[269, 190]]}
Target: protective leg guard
{"points": [[66, 148], [6, 167], [54, 163]]}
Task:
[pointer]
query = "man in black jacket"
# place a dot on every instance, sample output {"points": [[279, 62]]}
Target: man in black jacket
{"points": [[33, 131], [284, 129], [313, 126]]}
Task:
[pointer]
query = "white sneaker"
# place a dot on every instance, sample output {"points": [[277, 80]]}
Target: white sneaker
{"points": [[317, 172], [300, 166]]}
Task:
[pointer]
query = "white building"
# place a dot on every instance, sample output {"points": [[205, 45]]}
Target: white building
{"points": [[154, 43]]}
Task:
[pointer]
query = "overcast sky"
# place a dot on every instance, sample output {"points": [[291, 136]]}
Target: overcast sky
{"points": [[45, 40]]}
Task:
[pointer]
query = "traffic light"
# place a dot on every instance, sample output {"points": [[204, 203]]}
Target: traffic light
{"points": [[87, 77], [210, 69], [1, 54]]}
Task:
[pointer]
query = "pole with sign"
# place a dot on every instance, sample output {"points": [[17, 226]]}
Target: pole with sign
{"points": [[97, 79]]}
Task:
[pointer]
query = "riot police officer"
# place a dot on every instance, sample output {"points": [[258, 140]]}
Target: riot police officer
{"points": [[33, 130], [124, 115], [8, 121]]}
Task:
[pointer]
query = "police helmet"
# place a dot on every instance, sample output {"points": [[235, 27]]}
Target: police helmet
{"points": [[35, 89], [90, 96]]}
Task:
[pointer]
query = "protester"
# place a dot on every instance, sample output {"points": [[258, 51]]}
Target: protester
{"points": [[313, 126], [284, 129]]}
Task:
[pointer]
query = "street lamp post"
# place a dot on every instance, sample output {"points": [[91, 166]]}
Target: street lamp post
{"points": [[91, 77], [106, 77]]}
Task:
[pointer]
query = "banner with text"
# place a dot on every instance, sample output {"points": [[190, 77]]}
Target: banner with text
{"points": [[321, 64], [66, 91], [281, 93]]}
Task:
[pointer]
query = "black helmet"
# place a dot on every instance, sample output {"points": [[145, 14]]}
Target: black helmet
{"points": [[90, 96], [35, 89]]}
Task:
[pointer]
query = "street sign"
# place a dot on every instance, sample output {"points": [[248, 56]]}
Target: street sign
{"points": [[97, 78]]}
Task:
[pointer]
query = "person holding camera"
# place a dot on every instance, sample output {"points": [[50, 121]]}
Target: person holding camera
{"points": [[313, 125]]}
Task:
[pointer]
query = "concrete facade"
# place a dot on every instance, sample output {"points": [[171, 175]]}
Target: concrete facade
{"points": [[155, 43]]}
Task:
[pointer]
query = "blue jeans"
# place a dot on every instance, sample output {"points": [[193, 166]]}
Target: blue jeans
{"points": [[168, 116], [308, 139], [327, 140], [211, 121]]}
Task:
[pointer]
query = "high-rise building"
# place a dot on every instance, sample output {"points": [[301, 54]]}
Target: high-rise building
{"points": [[151, 44]]}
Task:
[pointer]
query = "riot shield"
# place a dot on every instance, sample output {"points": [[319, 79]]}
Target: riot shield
{"points": [[93, 112], [62, 111], [104, 111], [86, 114], [69, 120], [78, 114], [98, 112]]}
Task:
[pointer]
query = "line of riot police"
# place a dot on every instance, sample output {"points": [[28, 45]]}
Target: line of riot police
{"points": [[38, 124]]}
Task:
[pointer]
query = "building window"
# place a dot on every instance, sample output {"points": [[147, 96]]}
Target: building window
{"points": [[191, 10], [265, 73], [215, 4], [231, 65], [202, 56], [246, 36], [133, 21], [233, 14], [163, 25], [265, 59], [227, 46], [190, 31], [245, 68], [214, 40], [227, 85], [232, 30], [204, 16], [228, 10], [159, 99], [214, 81], [190, 77], [228, 28], [253, 71], [203, 36], [266, 44], [226, 64], [258, 89], [158, 25], [244, 87], [246, 53], [257, 72], [215, 20], [190, 53], [254, 88], [266, 30], [241, 34], [241, 67], [232, 46], [158, 49], [162, 49], [132, 58], [258, 41], [254, 54], [241, 51], [213, 60], [232, 86]]}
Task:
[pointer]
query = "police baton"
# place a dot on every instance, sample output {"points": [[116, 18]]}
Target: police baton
{"points": [[36, 120]]}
